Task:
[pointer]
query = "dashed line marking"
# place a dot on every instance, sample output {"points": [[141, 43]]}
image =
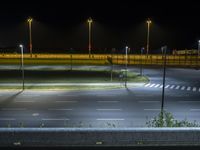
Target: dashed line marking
{"points": [[108, 109], [110, 119], [57, 109], [172, 86], [194, 89], [107, 101], [157, 85], [54, 119], [183, 87], [13, 109]]}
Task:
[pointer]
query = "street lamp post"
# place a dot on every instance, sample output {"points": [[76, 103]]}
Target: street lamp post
{"points": [[90, 26], [142, 50], [126, 66], [164, 49], [148, 28], [29, 20], [22, 64]]}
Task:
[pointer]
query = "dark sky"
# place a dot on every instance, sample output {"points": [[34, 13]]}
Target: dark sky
{"points": [[62, 24]]}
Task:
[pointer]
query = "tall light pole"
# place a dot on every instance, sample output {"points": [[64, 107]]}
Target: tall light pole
{"points": [[198, 47], [22, 64], [198, 54], [148, 30], [89, 26], [126, 66], [142, 50], [30, 20], [164, 49]]}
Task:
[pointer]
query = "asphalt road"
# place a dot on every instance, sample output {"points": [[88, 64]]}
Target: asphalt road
{"points": [[131, 107]]}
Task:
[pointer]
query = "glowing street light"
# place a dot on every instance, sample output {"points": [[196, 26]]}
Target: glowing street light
{"points": [[22, 64], [148, 28], [30, 20], [89, 25]]}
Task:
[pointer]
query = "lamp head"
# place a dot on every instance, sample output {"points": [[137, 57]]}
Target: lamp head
{"points": [[90, 20], [29, 20], [149, 21]]}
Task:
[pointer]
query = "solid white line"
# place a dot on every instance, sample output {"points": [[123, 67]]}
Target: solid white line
{"points": [[148, 101], [7, 119], [172, 86], [189, 101], [177, 87], [58, 109], [183, 87], [56, 119], [167, 86], [189, 88], [108, 109], [152, 85], [194, 109], [67, 95], [194, 89], [107, 101], [111, 119], [147, 85], [66, 101], [157, 85], [24, 101], [153, 109], [5, 109]]}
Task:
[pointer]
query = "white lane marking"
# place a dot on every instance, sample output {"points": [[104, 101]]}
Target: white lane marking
{"points": [[161, 86], [148, 101], [147, 85], [194, 89], [110, 119], [35, 114], [189, 101], [54, 119], [157, 85], [14, 109], [194, 109], [7, 119], [108, 109], [153, 109], [163, 119], [199, 89], [66, 101], [57, 109], [183, 87], [67, 95], [172, 86], [177, 87], [189, 88], [167, 86], [24, 101], [152, 85], [107, 101]]}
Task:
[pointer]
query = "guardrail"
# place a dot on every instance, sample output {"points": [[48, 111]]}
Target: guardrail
{"points": [[99, 136], [172, 60]]}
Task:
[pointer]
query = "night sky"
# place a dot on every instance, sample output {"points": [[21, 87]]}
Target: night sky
{"points": [[59, 26]]}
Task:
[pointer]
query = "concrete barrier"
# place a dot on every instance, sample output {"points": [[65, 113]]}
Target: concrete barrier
{"points": [[99, 136]]}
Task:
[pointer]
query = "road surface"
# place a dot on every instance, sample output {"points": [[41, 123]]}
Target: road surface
{"points": [[131, 107]]}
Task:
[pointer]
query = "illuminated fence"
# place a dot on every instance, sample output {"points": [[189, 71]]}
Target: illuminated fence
{"points": [[101, 59]]}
